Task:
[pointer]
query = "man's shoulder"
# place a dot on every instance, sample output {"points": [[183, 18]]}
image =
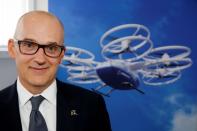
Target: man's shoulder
{"points": [[6, 93]]}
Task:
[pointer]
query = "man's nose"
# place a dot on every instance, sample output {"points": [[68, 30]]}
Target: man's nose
{"points": [[40, 56]]}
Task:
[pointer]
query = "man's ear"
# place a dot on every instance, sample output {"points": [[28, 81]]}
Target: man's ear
{"points": [[11, 48], [62, 56]]}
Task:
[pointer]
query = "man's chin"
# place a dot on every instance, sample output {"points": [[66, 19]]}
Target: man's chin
{"points": [[40, 83]]}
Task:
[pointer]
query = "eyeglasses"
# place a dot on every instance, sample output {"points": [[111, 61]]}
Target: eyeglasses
{"points": [[27, 47]]}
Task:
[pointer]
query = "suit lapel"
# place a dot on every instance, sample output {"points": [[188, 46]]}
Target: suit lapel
{"points": [[66, 107], [62, 120]]}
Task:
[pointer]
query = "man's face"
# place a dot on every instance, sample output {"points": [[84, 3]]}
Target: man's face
{"points": [[37, 70]]}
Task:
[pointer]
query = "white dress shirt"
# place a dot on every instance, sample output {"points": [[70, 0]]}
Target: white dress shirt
{"points": [[47, 107]]}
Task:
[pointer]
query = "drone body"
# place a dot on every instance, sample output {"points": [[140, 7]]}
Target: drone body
{"points": [[117, 77], [128, 56]]}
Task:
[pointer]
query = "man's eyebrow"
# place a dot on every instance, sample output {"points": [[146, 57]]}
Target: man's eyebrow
{"points": [[29, 39], [32, 40], [52, 43]]}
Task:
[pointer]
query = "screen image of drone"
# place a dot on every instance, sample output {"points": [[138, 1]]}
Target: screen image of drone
{"points": [[128, 59]]}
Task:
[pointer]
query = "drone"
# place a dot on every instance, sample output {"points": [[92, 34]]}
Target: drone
{"points": [[129, 58]]}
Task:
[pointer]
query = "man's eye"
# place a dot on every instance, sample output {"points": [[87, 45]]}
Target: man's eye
{"points": [[52, 48], [28, 44]]}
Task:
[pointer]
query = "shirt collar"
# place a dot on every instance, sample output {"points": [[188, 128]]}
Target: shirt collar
{"points": [[49, 93]]}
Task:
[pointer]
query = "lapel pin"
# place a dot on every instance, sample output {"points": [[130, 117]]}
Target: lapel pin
{"points": [[73, 113]]}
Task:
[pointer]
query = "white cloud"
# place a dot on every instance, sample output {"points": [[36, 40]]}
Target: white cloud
{"points": [[185, 121], [185, 115], [173, 99]]}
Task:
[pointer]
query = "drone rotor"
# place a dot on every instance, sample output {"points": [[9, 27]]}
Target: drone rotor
{"points": [[164, 64], [132, 44], [80, 65]]}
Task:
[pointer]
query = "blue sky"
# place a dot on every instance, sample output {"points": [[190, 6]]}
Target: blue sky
{"points": [[165, 108]]}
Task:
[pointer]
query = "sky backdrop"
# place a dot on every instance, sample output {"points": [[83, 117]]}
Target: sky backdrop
{"points": [[170, 107]]}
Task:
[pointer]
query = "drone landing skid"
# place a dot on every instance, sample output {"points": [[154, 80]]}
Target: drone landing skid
{"points": [[104, 94], [140, 91], [112, 89], [131, 86]]}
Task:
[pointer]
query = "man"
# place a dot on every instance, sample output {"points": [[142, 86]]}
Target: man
{"points": [[37, 101]]}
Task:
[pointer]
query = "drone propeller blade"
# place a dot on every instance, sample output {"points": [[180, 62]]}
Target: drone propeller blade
{"points": [[159, 76], [171, 65]]}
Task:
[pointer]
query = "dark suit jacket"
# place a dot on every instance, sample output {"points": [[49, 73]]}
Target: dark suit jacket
{"points": [[77, 110]]}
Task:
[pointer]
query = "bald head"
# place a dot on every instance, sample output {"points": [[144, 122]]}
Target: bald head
{"points": [[39, 24]]}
